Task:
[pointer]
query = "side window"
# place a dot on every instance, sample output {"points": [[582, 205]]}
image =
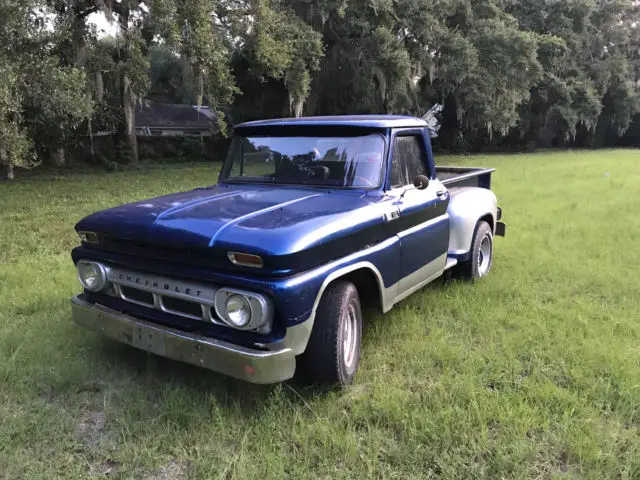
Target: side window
{"points": [[397, 168], [414, 156], [408, 160]]}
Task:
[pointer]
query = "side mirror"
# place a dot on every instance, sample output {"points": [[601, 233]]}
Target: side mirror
{"points": [[421, 182]]}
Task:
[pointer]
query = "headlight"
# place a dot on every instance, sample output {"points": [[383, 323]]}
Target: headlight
{"points": [[238, 311], [93, 276], [244, 310]]}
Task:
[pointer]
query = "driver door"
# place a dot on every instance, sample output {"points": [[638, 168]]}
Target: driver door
{"points": [[423, 223]]}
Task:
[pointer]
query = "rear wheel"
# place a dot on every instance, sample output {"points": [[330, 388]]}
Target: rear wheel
{"points": [[333, 352], [481, 254]]}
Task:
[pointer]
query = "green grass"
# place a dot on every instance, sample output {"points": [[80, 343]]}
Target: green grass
{"points": [[531, 373]]}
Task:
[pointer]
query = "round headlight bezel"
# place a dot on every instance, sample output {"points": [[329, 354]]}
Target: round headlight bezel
{"points": [[260, 305], [239, 314], [100, 275]]}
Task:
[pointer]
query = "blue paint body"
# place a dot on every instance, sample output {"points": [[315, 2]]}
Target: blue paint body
{"points": [[302, 233]]}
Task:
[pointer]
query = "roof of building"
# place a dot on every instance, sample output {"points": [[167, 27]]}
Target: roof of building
{"points": [[369, 121], [170, 115]]}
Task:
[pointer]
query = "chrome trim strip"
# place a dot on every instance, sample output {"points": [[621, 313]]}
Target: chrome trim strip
{"points": [[423, 225], [160, 285]]}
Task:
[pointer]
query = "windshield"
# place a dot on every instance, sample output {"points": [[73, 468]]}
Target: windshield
{"points": [[340, 162]]}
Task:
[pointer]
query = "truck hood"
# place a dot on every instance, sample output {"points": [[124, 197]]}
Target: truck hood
{"points": [[280, 224]]}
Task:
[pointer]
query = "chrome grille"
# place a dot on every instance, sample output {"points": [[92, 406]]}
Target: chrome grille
{"points": [[177, 297], [134, 295]]}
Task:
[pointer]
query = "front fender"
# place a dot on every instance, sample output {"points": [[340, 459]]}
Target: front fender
{"points": [[467, 206]]}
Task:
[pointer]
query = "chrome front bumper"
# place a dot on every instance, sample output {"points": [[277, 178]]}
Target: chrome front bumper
{"points": [[255, 366]]}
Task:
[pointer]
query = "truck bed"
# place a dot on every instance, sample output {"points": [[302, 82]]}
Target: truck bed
{"points": [[465, 176]]}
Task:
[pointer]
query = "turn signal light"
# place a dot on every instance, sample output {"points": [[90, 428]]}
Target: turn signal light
{"points": [[245, 259], [89, 237]]}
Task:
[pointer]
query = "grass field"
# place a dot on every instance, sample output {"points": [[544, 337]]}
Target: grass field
{"points": [[531, 373]]}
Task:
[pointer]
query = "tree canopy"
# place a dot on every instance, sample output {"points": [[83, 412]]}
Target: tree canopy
{"points": [[507, 72], [38, 92]]}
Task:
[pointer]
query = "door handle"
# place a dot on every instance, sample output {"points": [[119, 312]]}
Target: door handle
{"points": [[442, 194]]}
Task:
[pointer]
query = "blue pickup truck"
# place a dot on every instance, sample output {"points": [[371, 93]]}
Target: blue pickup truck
{"points": [[264, 274]]}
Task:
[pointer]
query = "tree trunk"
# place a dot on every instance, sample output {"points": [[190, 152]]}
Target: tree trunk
{"points": [[99, 87], [386, 104], [79, 46], [5, 162], [546, 133], [127, 130], [129, 111], [200, 87], [58, 157], [9, 167], [91, 142], [296, 105]]}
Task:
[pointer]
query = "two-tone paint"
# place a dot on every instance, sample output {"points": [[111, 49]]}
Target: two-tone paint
{"points": [[307, 237]]}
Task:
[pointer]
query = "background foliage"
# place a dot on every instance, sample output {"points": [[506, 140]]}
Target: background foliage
{"points": [[509, 74]]}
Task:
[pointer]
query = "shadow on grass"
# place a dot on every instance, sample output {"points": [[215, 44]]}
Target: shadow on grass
{"points": [[152, 373], [151, 370], [373, 316]]}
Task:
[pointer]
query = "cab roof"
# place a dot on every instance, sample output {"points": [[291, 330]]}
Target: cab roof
{"points": [[367, 121]]}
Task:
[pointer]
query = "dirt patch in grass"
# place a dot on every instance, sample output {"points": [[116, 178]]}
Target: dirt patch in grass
{"points": [[172, 471], [90, 429], [105, 468]]}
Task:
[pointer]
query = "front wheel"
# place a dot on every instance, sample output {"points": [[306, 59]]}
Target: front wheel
{"points": [[481, 255], [333, 352]]}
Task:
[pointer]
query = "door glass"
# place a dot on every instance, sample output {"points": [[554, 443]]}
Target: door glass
{"points": [[398, 178], [412, 156]]}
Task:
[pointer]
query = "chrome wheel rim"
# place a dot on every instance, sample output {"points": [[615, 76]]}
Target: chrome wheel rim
{"points": [[484, 255], [349, 336]]}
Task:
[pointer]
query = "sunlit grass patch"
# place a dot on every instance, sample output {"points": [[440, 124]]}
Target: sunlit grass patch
{"points": [[531, 373]]}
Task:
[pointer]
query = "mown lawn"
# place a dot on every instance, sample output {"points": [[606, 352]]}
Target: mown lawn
{"points": [[531, 373]]}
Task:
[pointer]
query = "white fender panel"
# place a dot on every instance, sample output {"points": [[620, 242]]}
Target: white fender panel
{"points": [[467, 206]]}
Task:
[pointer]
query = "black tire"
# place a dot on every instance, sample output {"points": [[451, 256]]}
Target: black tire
{"points": [[478, 265], [329, 359]]}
